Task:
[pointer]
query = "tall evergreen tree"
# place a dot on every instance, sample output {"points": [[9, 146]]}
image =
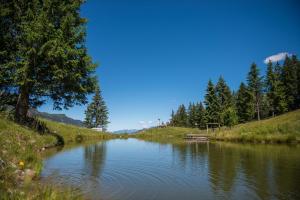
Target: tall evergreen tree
{"points": [[224, 97], [192, 115], [244, 104], [212, 104], [278, 102], [48, 57], [289, 78], [181, 116], [172, 120], [200, 119], [97, 113], [255, 86]]}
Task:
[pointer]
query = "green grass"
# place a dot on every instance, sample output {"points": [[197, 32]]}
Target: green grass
{"points": [[282, 129], [167, 134], [20, 143]]}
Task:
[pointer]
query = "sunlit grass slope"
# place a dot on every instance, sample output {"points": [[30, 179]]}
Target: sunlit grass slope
{"points": [[166, 134], [280, 129], [21, 144]]}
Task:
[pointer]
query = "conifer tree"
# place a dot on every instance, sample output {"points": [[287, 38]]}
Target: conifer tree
{"points": [[255, 86], [275, 90], [271, 86], [48, 57], [289, 78], [181, 116], [224, 97], [200, 119], [212, 104], [192, 112], [172, 120], [97, 113], [244, 104]]}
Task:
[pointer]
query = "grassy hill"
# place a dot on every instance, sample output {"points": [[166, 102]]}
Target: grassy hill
{"points": [[281, 129], [20, 144]]}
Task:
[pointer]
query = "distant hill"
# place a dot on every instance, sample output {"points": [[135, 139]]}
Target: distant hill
{"points": [[56, 117], [124, 131]]}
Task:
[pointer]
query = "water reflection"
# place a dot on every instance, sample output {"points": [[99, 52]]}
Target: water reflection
{"points": [[134, 169], [261, 171], [94, 156]]}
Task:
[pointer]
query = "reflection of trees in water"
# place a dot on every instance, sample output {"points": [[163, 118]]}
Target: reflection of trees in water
{"points": [[222, 165], [267, 171], [190, 154], [94, 156]]}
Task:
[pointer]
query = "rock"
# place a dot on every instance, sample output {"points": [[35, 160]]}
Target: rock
{"points": [[29, 174]]}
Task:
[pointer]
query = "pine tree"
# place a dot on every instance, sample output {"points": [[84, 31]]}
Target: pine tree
{"points": [[181, 116], [255, 86], [48, 57], [200, 119], [279, 101], [224, 97], [298, 83], [244, 104], [192, 112], [97, 113], [212, 104], [289, 78], [172, 120]]}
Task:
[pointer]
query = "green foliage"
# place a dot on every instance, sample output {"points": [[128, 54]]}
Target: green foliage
{"points": [[244, 104], [275, 89], [97, 113], [181, 117], [230, 117], [212, 104], [289, 79], [225, 99], [47, 57], [255, 86]]}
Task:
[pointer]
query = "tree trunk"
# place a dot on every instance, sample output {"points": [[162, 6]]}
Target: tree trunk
{"points": [[22, 105], [258, 111]]}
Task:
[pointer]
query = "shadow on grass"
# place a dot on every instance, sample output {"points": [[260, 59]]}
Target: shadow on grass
{"points": [[41, 127]]}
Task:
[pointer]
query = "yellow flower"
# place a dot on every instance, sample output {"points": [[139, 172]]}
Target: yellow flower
{"points": [[21, 163]]}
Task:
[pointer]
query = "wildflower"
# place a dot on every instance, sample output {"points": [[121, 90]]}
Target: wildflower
{"points": [[21, 164]]}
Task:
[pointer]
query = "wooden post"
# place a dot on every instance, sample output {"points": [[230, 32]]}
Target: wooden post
{"points": [[207, 128]]}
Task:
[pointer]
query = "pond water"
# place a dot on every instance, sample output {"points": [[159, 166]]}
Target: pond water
{"points": [[136, 170]]}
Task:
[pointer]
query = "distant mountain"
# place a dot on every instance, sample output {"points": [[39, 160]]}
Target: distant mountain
{"points": [[128, 131], [56, 117]]}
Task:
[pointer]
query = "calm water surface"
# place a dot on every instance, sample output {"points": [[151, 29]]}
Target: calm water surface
{"points": [[136, 170]]}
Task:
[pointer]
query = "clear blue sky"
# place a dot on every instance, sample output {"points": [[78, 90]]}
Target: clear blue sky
{"points": [[154, 55]]}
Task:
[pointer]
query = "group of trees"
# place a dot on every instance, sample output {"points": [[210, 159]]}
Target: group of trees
{"points": [[261, 97]]}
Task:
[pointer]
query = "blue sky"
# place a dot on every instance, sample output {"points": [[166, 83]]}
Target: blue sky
{"points": [[154, 55]]}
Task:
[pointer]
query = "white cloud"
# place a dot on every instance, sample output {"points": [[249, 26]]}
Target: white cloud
{"points": [[146, 124], [276, 57]]}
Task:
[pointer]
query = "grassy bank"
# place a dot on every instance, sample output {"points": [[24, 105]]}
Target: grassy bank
{"points": [[21, 160], [167, 134], [281, 129]]}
